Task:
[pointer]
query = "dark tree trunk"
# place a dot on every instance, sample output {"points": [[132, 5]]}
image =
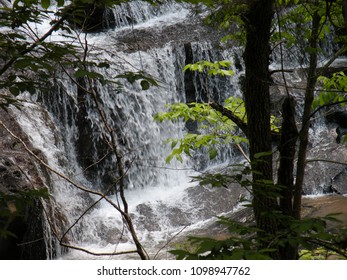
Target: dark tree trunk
{"points": [[303, 135], [287, 148], [258, 23], [344, 13], [289, 134]]}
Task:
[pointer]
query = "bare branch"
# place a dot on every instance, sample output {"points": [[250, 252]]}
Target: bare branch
{"points": [[98, 254], [325, 160], [169, 241]]}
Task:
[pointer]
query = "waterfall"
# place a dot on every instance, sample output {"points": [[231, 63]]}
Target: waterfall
{"points": [[141, 12], [65, 125], [162, 199]]}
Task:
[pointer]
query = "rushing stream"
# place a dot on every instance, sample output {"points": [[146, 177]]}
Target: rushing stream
{"points": [[162, 199]]}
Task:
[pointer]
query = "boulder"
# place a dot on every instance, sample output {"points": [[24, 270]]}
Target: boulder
{"points": [[339, 118], [21, 190], [90, 17]]}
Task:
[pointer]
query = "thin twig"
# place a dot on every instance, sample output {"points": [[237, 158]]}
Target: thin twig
{"points": [[326, 160], [169, 241], [33, 45], [98, 254]]}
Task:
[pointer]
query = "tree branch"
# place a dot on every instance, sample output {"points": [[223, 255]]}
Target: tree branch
{"points": [[33, 45], [230, 115]]}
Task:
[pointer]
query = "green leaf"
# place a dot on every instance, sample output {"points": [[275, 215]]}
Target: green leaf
{"points": [[14, 91], [180, 254], [174, 143], [104, 65], [213, 153], [45, 4], [145, 85], [81, 73], [23, 63], [60, 3], [169, 158], [263, 154], [225, 63]]}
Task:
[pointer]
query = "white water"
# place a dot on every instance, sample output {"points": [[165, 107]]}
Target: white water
{"points": [[161, 198]]}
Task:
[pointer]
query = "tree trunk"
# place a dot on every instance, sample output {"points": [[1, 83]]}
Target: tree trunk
{"points": [[344, 13], [303, 135], [289, 134], [258, 22], [287, 148]]}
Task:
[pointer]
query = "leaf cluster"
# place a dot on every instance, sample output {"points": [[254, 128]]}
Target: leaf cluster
{"points": [[334, 91], [214, 128], [245, 240], [212, 68], [146, 81], [238, 173]]}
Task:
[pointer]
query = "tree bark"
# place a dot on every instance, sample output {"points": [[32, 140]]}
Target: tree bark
{"points": [[287, 148], [258, 21], [344, 13], [304, 132]]}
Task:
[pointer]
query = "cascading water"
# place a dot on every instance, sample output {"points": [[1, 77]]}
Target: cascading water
{"points": [[162, 200], [65, 126]]}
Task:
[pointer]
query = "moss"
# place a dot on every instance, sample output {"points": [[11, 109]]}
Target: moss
{"points": [[319, 254]]}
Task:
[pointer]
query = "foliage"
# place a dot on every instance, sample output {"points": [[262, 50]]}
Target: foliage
{"points": [[212, 68], [294, 24], [240, 174], [320, 253], [214, 128], [145, 80], [243, 242], [334, 91]]}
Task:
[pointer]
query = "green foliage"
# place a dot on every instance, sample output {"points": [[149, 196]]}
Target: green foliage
{"points": [[205, 2], [295, 25], [45, 4], [213, 126], [239, 173], [287, 2], [334, 91], [243, 241], [319, 254], [241, 244], [145, 80], [212, 68]]}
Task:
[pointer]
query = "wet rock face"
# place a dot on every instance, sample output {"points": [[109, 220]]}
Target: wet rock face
{"points": [[161, 216], [339, 118], [21, 215], [144, 39], [325, 170], [94, 17], [10, 176]]}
